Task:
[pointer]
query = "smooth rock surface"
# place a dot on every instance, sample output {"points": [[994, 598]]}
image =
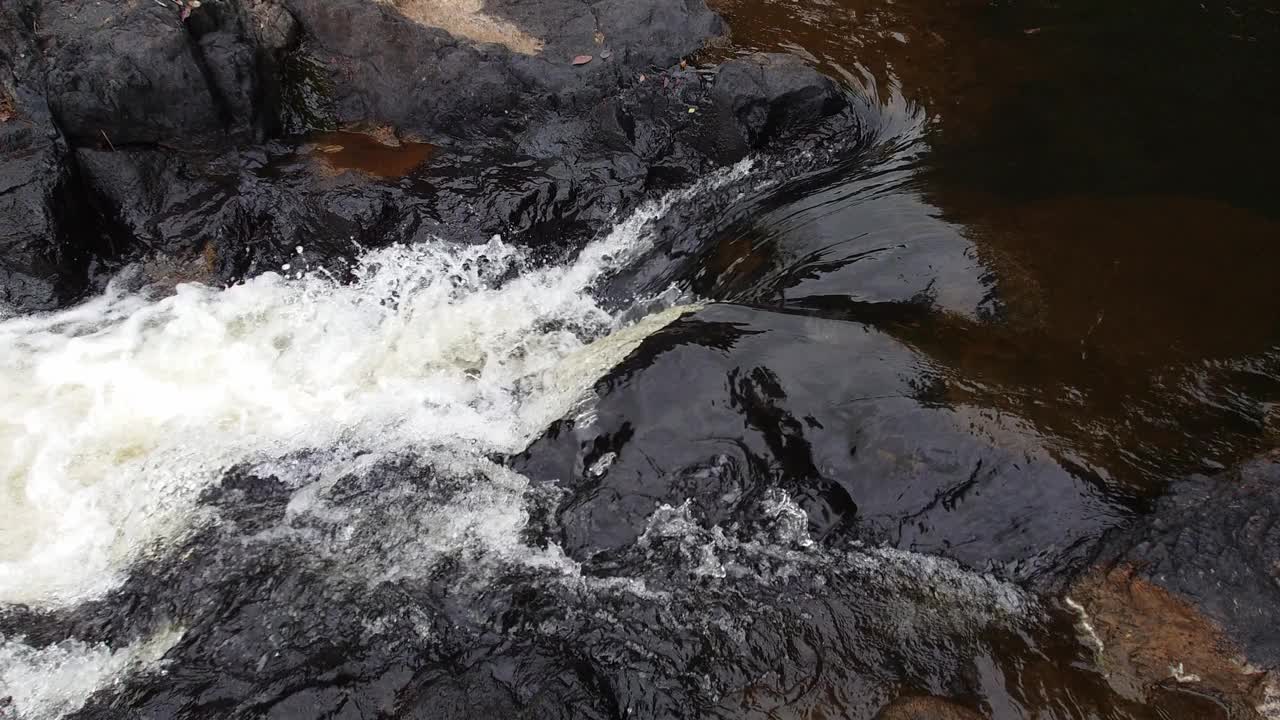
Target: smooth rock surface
{"points": [[766, 93]]}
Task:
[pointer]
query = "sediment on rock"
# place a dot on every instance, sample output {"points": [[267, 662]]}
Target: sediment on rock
{"points": [[1186, 601], [926, 708]]}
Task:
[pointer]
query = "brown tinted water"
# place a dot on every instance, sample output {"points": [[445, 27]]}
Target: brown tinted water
{"points": [[1110, 165], [1088, 221], [378, 154]]}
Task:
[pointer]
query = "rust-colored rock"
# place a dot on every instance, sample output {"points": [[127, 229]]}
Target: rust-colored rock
{"points": [[1155, 647], [7, 110], [927, 707]]}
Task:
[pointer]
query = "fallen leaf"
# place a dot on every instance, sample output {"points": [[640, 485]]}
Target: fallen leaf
{"points": [[693, 110], [642, 77], [606, 54], [599, 38], [582, 60]]}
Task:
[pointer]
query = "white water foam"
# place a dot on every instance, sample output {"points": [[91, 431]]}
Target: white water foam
{"points": [[118, 412], [53, 681]]}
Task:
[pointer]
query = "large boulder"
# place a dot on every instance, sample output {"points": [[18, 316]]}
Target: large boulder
{"points": [[132, 73], [766, 93], [43, 256]]}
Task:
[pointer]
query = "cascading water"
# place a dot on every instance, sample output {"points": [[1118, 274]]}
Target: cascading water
{"points": [[120, 411], [351, 434]]}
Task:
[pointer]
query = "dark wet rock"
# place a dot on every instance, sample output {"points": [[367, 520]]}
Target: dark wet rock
{"points": [[1214, 541], [156, 201], [243, 213], [560, 183], [306, 96], [273, 26], [133, 73], [870, 454], [765, 93], [44, 250], [347, 597], [653, 33], [166, 119]]}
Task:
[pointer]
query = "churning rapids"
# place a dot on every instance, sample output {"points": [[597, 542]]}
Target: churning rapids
{"points": [[124, 410], [296, 493], [408, 495]]}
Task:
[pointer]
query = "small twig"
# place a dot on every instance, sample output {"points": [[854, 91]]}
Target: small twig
{"points": [[109, 144]]}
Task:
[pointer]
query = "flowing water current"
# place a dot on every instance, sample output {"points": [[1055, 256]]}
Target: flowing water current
{"points": [[124, 409], [807, 436], [413, 381]]}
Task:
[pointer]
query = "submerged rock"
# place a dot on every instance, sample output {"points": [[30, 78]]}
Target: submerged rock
{"points": [[1188, 598], [1225, 562], [1156, 648], [729, 403]]}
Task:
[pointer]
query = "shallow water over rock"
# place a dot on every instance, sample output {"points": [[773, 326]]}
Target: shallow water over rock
{"points": [[946, 402]]}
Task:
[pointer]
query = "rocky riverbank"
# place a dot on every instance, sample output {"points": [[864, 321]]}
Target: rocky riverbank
{"points": [[157, 131]]}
